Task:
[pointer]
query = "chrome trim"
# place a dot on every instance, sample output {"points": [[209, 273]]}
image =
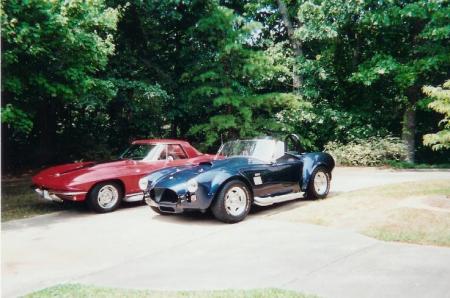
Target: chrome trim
{"points": [[320, 183], [71, 193], [67, 193], [235, 201], [266, 201], [150, 202], [134, 197], [48, 196], [107, 196]]}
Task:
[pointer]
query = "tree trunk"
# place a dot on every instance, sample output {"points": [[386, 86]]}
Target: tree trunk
{"points": [[174, 129], [47, 132], [409, 131], [6, 145], [409, 122], [297, 80]]}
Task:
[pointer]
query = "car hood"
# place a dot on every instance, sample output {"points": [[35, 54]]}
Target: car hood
{"points": [[63, 175], [175, 178]]}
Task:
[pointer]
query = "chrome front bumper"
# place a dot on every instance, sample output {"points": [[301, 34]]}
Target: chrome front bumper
{"points": [[150, 202], [134, 197], [59, 196]]}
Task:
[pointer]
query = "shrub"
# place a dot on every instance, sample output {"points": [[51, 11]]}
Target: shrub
{"points": [[373, 151]]}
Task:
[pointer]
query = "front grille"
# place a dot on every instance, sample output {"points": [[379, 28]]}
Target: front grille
{"points": [[167, 209], [169, 196]]}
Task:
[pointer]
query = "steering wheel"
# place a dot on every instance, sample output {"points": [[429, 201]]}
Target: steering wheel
{"points": [[295, 140]]}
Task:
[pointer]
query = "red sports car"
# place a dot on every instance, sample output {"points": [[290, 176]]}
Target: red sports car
{"points": [[105, 185]]}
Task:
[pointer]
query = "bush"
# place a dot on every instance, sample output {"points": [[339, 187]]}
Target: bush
{"points": [[373, 151]]}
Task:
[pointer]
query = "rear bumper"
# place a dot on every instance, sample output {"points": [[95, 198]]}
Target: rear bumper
{"points": [[60, 196]]}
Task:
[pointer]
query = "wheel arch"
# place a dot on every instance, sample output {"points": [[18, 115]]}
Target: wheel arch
{"points": [[115, 180], [231, 178], [311, 162]]}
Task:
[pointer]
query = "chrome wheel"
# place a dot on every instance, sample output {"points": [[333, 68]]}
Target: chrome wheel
{"points": [[320, 183], [107, 196], [236, 201]]}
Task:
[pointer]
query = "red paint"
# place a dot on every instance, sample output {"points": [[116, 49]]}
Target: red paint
{"points": [[82, 176]]}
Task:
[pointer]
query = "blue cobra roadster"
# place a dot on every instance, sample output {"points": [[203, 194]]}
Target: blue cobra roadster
{"points": [[261, 171]]}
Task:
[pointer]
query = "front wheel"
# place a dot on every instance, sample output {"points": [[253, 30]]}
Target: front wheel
{"points": [[233, 202], [319, 184], [105, 197]]}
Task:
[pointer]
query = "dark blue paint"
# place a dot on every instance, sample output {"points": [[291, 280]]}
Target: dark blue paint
{"points": [[284, 176]]}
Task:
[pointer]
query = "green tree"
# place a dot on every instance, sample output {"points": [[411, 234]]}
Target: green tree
{"points": [[365, 60], [153, 48], [233, 83], [410, 49], [52, 54], [441, 104]]}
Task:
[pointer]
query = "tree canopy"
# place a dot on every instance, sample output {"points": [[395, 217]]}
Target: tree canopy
{"points": [[441, 104], [83, 78]]}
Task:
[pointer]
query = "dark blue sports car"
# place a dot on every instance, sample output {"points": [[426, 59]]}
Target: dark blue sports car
{"points": [[259, 171]]}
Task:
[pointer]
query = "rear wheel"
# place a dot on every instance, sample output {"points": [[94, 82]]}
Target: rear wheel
{"points": [[232, 203], [105, 197], [319, 183]]}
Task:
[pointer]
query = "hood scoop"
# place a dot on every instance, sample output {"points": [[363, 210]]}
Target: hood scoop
{"points": [[74, 169]]}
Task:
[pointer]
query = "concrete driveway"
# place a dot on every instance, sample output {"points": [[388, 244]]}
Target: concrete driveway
{"points": [[135, 248]]}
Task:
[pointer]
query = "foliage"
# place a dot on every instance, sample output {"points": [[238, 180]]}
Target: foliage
{"points": [[231, 81], [441, 104], [16, 118], [53, 49], [52, 53], [408, 165], [373, 151], [108, 71], [369, 59]]}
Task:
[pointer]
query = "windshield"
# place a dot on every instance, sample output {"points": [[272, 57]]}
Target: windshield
{"points": [[145, 152], [265, 150]]}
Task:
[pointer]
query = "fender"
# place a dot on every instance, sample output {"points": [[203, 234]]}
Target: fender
{"points": [[313, 160], [224, 177], [161, 174]]}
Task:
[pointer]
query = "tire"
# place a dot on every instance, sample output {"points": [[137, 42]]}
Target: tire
{"points": [[112, 197], [319, 190], [232, 203]]}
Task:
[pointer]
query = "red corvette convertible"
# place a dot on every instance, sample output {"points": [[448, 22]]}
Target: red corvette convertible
{"points": [[105, 185]]}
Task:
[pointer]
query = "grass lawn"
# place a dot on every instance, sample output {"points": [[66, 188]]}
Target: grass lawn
{"points": [[76, 290], [20, 201], [408, 165], [414, 212]]}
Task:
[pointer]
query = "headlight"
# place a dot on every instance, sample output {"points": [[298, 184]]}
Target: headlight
{"points": [[143, 183], [192, 185]]}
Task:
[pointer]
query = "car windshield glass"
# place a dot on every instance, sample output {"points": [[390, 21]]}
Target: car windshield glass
{"points": [[141, 152], [260, 149]]}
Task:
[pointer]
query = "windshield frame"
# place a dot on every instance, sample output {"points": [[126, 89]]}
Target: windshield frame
{"points": [[152, 154], [266, 156]]}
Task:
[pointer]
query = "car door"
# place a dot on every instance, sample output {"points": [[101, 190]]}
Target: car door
{"points": [[274, 179]]}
